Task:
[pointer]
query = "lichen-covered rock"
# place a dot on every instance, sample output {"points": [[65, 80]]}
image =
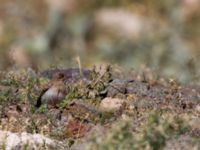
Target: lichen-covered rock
{"points": [[111, 104], [18, 141], [116, 86]]}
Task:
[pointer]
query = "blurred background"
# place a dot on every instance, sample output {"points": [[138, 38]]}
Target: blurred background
{"points": [[163, 35]]}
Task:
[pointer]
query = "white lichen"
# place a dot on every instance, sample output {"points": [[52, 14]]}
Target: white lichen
{"points": [[10, 141]]}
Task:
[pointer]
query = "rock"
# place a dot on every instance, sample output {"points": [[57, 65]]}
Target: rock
{"points": [[197, 108], [116, 86], [18, 141], [127, 23], [111, 104]]}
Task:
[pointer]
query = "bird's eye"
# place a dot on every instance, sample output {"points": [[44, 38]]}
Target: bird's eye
{"points": [[58, 75]]}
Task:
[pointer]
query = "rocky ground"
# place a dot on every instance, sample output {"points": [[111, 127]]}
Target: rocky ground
{"points": [[104, 108]]}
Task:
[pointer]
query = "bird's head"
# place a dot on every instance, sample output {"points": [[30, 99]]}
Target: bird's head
{"points": [[58, 76]]}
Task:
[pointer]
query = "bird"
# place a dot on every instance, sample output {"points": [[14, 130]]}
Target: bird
{"points": [[53, 93]]}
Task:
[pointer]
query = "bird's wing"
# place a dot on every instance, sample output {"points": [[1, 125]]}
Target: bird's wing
{"points": [[39, 100]]}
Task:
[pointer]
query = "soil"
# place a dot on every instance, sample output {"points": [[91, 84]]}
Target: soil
{"points": [[79, 114]]}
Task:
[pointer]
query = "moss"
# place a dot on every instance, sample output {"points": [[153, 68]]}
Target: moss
{"points": [[119, 137], [158, 130], [153, 134]]}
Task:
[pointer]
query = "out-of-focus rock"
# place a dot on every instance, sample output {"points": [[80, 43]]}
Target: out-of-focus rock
{"points": [[62, 5], [19, 56], [190, 8], [197, 108], [111, 104], [17, 141], [121, 22], [1, 28]]}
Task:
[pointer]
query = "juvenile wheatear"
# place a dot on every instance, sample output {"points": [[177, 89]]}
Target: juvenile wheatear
{"points": [[54, 92]]}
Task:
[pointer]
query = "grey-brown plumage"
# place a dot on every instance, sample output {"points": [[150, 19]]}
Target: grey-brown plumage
{"points": [[54, 92]]}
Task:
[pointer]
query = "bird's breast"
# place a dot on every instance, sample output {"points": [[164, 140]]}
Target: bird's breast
{"points": [[53, 96]]}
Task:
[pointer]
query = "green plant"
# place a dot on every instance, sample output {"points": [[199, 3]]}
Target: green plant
{"points": [[158, 130], [118, 138]]}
